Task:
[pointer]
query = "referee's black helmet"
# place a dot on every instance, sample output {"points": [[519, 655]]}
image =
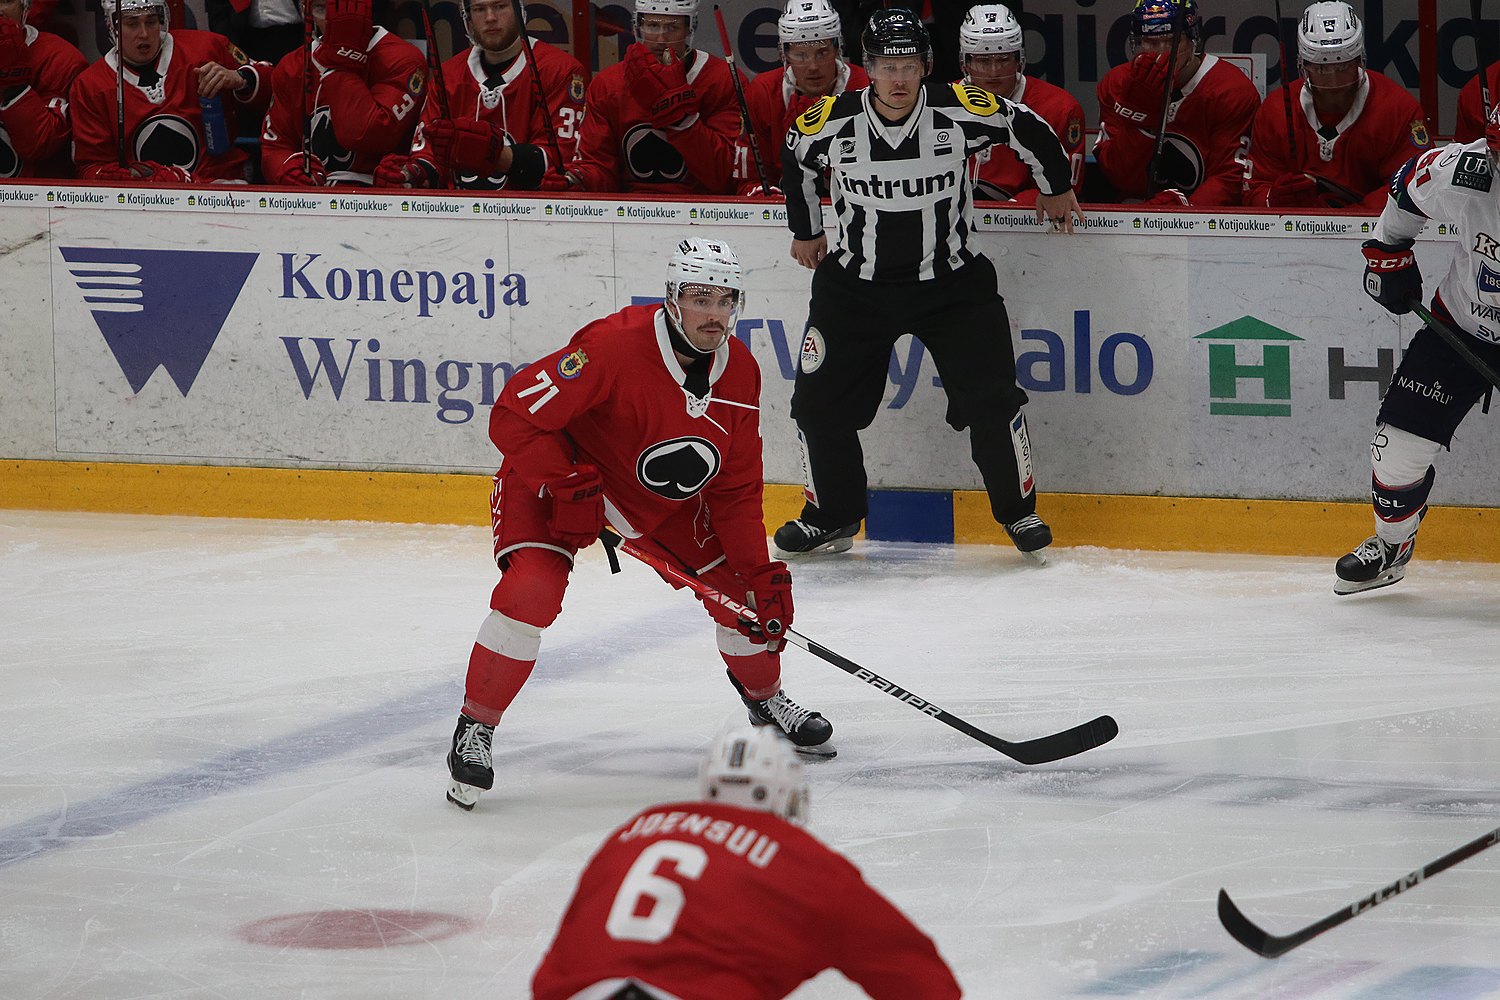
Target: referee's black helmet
{"points": [[896, 31]]}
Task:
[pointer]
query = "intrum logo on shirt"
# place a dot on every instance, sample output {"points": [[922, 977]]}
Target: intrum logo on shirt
{"points": [[1488, 279], [679, 468], [875, 186], [137, 301]]}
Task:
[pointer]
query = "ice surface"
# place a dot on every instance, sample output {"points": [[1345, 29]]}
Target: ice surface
{"points": [[221, 741]]}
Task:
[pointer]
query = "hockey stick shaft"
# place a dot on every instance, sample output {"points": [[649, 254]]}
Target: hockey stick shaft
{"points": [[1482, 56], [1273, 945], [435, 65], [739, 95], [1039, 751], [541, 92], [120, 86], [1286, 93], [1455, 340], [1155, 175], [308, 28]]}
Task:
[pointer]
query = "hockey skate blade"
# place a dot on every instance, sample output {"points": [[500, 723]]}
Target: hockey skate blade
{"points": [[1037, 557], [462, 795], [831, 548], [1346, 587], [820, 752]]}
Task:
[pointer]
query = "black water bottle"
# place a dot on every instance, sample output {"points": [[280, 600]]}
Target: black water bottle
{"points": [[215, 132]]}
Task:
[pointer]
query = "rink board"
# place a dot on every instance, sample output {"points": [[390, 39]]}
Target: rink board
{"points": [[1166, 355]]}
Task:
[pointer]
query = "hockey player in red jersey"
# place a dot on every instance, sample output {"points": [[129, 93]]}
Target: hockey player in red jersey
{"points": [[1208, 124], [37, 70], [728, 898], [1350, 128], [1471, 108], [663, 120], [648, 419], [366, 100], [500, 136], [812, 67], [166, 72], [992, 50]]}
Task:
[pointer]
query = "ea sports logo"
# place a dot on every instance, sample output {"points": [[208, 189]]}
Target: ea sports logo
{"points": [[679, 468], [810, 359]]}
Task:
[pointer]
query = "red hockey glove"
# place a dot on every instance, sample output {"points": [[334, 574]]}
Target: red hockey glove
{"points": [[164, 174], [1293, 191], [15, 57], [661, 87], [1170, 197], [1392, 277], [466, 145], [759, 191], [1145, 84], [397, 171], [346, 35], [771, 589], [316, 175], [577, 507]]}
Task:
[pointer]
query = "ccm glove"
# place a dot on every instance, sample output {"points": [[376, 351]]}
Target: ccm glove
{"points": [[348, 27], [1145, 86], [577, 507], [1293, 191], [1392, 277], [466, 145], [16, 68], [771, 590]]}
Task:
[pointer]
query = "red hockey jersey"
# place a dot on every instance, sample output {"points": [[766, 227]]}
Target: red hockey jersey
{"points": [[617, 152], [774, 103], [163, 121], [1471, 108], [1208, 135], [615, 398], [513, 106], [715, 902], [35, 127], [355, 120], [1000, 174], [1355, 158]]}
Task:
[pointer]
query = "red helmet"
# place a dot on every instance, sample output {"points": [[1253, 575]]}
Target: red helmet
{"points": [[1492, 132]]}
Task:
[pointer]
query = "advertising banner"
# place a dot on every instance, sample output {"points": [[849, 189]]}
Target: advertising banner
{"points": [[1172, 354]]}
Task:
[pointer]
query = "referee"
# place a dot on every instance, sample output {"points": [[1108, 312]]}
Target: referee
{"points": [[897, 152]]}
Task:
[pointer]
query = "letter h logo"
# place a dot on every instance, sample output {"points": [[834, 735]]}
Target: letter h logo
{"points": [[1226, 372]]}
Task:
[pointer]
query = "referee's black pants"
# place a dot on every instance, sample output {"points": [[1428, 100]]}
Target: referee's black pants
{"points": [[960, 318]]}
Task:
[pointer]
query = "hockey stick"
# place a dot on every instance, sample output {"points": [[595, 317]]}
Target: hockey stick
{"points": [[1286, 92], [739, 94], [1480, 55], [1087, 736], [1455, 341], [308, 28], [120, 86], [1154, 174], [435, 64], [1274, 945], [536, 84]]}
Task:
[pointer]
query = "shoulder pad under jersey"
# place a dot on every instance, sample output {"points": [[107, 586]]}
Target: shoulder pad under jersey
{"points": [[976, 100], [811, 121]]}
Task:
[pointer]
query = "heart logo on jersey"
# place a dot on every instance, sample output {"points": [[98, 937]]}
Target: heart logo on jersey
{"points": [[679, 468]]}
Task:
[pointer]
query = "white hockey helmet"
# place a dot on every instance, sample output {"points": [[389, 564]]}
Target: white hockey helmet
{"points": [[699, 261], [809, 21], [1330, 33], [676, 8], [115, 10], [991, 28], [756, 768]]}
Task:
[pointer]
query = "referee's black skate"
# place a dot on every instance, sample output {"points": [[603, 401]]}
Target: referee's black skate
{"points": [[798, 538], [808, 731], [1376, 563], [1030, 535], [471, 765]]}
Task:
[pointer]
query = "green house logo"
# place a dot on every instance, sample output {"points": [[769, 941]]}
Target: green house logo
{"points": [[1287, 225], [333, 203], [51, 196], [693, 213], [1364, 227], [406, 206], [1135, 223], [1213, 224], [263, 203], [620, 211], [547, 210], [1226, 372], [192, 200], [766, 214], [120, 199]]}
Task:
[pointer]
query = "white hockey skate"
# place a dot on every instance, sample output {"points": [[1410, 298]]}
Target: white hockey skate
{"points": [[471, 765]]}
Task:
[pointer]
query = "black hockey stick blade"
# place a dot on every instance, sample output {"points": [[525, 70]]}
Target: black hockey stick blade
{"points": [[1246, 933]]}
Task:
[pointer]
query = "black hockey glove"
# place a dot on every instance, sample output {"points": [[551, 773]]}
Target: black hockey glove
{"points": [[1392, 277]]}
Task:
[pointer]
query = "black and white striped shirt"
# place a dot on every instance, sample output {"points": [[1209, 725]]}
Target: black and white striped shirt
{"points": [[901, 192]]}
